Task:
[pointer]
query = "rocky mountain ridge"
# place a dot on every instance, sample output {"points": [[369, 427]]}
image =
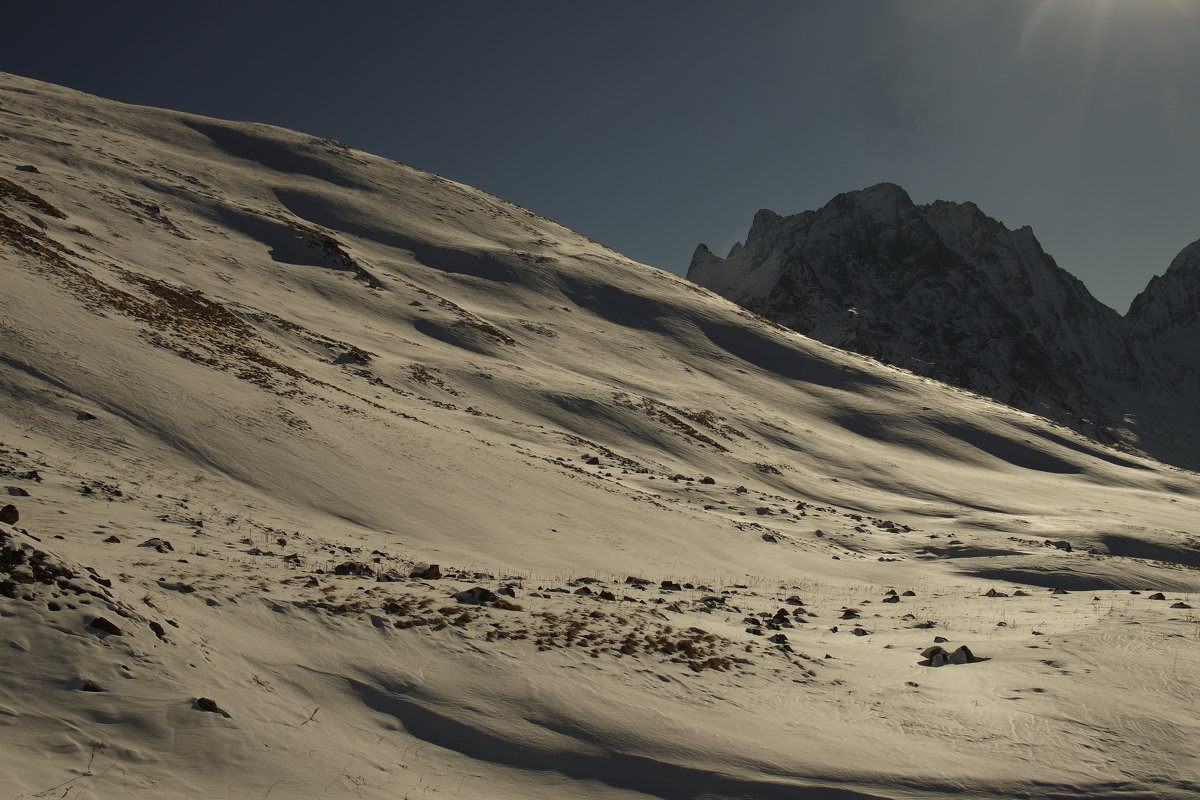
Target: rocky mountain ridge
{"points": [[947, 292]]}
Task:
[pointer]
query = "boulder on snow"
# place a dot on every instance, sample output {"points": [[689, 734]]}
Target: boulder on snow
{"points": [[938, 656], [475, 596], [427, 571], [9, 514], [103, 624], [357, 568], [205, 704]]}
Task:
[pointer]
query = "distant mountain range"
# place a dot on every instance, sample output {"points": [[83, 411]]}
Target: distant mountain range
{"points": [[948, 292]]}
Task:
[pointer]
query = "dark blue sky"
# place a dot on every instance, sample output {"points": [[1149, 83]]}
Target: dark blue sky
{"points": [[652, 126]]}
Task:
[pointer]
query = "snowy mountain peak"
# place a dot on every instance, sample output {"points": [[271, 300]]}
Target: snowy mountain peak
{"points": [[1171, 302], [878, 200], [949, 292]]}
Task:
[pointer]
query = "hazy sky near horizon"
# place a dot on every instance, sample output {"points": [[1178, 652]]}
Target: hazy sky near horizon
{"points": [[655, 125]]}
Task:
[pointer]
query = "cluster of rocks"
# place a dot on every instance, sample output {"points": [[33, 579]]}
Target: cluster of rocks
{"points": [[31, 574], [938, 656]]}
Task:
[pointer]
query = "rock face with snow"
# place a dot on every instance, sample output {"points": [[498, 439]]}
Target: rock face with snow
{"points": [[947, 292], [1166, 315]]}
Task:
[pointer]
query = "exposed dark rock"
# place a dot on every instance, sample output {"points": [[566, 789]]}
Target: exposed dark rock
{"points": [[1157, 596], [356, 568], [205, 704], [963, 655], [103, 624], [476, 595], [430, 572], [9, 515], [937, 656], [160, 545], [114, 539], [91, 686]]}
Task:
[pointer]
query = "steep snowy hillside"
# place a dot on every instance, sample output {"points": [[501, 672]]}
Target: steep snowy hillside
{"points": [[333, 478], [946, 291]]}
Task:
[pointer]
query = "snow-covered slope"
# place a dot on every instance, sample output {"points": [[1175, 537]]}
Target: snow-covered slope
{"points": [[946, 291], [254, 383]]}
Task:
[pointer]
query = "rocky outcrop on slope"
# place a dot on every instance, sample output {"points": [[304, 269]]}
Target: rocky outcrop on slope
{"points": [[946, 291]]}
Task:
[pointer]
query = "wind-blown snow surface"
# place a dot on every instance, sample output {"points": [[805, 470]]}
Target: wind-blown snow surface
{"points": [[238, 361]]}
